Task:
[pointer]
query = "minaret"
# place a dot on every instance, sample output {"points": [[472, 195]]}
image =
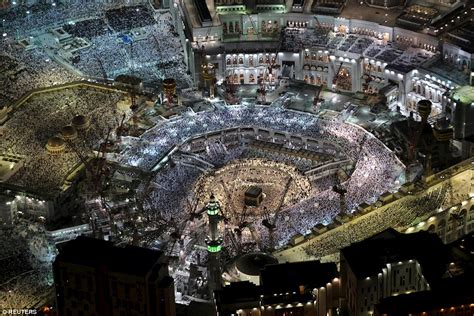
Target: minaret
{"points": [[214, 245]]}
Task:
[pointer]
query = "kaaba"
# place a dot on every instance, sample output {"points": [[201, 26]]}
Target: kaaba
{"points": [[253, 196]]}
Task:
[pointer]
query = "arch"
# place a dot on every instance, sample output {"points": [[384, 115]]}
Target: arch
{"points": [[237, 27], [442, 224], [432, 228], [441, 229], [463, 217], [451, 219]]}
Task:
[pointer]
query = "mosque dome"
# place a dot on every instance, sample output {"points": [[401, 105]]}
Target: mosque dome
{"points": [[55, 145], [80, 122], [69, 132]]}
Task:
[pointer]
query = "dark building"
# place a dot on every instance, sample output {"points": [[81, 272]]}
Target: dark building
{"points": [[238, 296], [94, 277], [390, 264], [300, 288], [452, 294], [459, 108], [453, 297]]}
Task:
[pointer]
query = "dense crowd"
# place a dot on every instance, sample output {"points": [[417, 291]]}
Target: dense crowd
{"points": [[282, 184], [400, 214], [219, 154], [27, 70], [376, 168], [24, 277], [295, 39], [126, 18], [25, 20], [13, 256], [42, 117], [87, 28], [149, 53], [124, 40]]}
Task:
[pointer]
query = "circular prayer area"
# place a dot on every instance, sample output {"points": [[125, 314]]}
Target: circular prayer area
{"points": [[277, 174], [254, 187]]}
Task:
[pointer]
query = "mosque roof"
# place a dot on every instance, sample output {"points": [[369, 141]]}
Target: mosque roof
{"points": [[55, 142], [79, 120], [68, 131]]}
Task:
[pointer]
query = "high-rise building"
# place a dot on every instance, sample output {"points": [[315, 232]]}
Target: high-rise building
{"points": [[94, 277]]}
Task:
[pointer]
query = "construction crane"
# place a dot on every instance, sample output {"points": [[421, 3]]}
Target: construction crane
{"points": [[242, 222], [202, 47], [277, 51], [339, 189], [229, 197], [101, 160], [230, 89], [97, 175], [268, 73], [317, 22], [317, 99], [367, 79], [95, 165], [178, 230], [271, 224], [157, 217], [207, 69], [336, 74], [255, 30], [120, 128]]}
